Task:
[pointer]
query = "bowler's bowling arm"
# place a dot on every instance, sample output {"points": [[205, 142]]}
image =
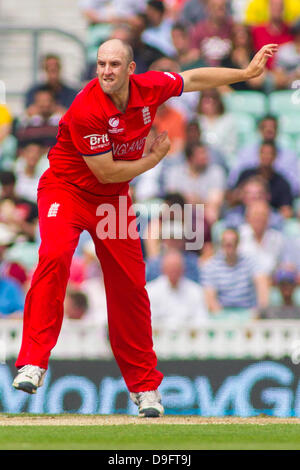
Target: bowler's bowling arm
{"points": [[108, 170]]}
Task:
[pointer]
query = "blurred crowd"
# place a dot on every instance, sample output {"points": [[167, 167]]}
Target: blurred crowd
{"points": [[235, 150]]}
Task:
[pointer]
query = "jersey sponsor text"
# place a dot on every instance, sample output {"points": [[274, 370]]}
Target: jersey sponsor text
{"points": [[128, 147]]}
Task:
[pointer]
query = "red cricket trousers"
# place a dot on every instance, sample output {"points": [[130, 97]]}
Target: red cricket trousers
{"points": [[129, 317]]}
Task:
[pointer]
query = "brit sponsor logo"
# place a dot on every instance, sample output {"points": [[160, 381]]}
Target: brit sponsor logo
{"points": [[146, 115], [97, 140]]}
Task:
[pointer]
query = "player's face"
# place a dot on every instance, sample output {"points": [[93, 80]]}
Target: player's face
{"points": [[113, 70], [180, 40]]}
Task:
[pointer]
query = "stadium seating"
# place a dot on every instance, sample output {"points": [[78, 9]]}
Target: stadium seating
{"points": [[276, 299], [289, 124], [216, 230], [284, 102], [246, 127], [291, 228], [297, 145], [287, 140], [251, 102], [16, 61]]}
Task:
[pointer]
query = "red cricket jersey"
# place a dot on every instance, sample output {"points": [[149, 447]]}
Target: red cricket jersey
{"points": [[93, 125]]}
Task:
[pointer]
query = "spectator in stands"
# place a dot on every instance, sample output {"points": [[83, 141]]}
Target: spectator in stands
{"points": [[171, 120], [172, 208], [194, 136], [10, 269], [124, 32], [258, 11], [231, 280], [63, 93], [174, 7], [168, 116], [287, 60], [158, 32], [213, 34], [8, 143], [11, 298], [176, 301], [77, 310], [93, 285], [5, 121], [75, 304], [218, 128], [193, 132], [40, 120], [85, 264], [102, 16], [192, 12], [241, 54], [29, 167], [252, 190], [199, 180], [171, 236], [280, 190], [144, 54], [286, 280], [17, 213], [258, 241], [275, 31], [152, 184], [187, 56], [286, 162]]}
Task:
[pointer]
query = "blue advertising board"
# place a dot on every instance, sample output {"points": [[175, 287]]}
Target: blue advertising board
{"points": [[192, 387]]}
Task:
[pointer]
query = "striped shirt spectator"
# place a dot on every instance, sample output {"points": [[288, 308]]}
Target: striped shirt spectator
{"points": [[232, 280], [234, 285]]}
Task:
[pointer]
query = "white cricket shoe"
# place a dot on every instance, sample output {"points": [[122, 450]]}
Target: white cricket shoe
{"points": [[149, 403], [29, 378]]}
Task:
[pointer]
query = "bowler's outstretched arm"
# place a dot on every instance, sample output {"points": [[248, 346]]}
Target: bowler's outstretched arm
{"points": [[213, 77]]}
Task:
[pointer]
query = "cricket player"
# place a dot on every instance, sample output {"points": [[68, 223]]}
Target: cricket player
{"points": [[99, 150]]}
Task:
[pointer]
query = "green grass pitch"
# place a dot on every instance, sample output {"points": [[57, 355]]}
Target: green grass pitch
{"points": [[151, 437]]}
